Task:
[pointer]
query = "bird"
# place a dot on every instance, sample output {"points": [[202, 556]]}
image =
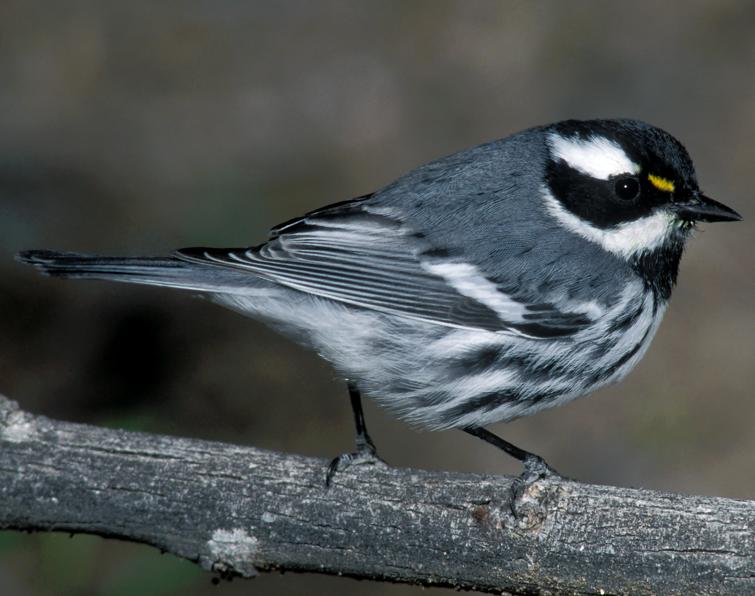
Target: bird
{"points": [[490, 284]]}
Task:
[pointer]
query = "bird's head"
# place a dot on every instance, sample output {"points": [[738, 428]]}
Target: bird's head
{"points": [[625, 185]]}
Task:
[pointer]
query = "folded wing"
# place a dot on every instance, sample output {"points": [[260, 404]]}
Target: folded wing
{"points": [[372, 260]]}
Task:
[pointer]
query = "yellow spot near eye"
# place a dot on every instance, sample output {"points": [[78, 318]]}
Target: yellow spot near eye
{"points": [[661, 183]]}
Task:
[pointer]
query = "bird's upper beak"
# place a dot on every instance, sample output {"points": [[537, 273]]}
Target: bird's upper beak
{"points": [[701, 208]]}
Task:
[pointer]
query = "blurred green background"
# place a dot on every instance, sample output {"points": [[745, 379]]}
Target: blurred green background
{"points": [[143, 126]]}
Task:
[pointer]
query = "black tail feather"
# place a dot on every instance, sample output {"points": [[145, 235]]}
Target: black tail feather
{"points": [[157, 271], [72, 264]]}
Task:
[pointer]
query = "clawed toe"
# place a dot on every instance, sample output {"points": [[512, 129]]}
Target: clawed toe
{"points": [[535, 468], [365, 456]]}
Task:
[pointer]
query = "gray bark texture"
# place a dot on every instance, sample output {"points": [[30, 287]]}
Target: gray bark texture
{"points": [[239, 510]]}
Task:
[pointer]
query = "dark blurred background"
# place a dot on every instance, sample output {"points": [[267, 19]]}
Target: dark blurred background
{"points": [[142, 126]]}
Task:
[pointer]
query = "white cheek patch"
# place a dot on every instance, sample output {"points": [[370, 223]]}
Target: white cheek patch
{"points": [[597, 156], [626, 239]]}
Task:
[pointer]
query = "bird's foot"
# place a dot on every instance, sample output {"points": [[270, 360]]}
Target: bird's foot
{"points": [[535, 468], [365, 455]]}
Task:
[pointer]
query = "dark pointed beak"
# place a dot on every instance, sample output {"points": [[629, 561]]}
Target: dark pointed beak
{"points": [[701, 208]]}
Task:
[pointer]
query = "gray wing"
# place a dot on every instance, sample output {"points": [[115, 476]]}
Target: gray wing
{"points": [[349, 253]]}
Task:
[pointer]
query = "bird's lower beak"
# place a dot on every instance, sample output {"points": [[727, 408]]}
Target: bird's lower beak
{"points": [[701, 208]]}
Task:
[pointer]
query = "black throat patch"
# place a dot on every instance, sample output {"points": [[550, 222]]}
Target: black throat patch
{"points": [[659, 268]]}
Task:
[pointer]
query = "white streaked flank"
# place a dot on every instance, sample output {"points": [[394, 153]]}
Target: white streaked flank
{"points": [[462, 341], [597, 156], [641, 332], [626, 239], [470, 386], [410, 375]]}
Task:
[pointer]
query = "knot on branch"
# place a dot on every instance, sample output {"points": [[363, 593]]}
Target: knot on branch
{"points": [[230, 553], [532, 503], [531, 510], [6, 407], [16, 425]]}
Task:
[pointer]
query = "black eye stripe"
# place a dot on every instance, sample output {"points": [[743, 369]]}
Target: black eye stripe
{"points": [[595, 201]]}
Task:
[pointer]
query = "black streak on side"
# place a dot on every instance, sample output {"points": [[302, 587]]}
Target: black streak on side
{"points": [[625, 320]]}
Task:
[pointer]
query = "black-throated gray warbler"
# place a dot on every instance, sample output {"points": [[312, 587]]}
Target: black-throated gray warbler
{"points": [[490, 284]]}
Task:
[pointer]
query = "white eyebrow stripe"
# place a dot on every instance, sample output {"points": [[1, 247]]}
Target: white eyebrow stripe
{"points": [[596, 156]]}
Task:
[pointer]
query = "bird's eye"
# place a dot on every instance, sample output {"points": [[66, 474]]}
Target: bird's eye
{"points": [[627, 188]]}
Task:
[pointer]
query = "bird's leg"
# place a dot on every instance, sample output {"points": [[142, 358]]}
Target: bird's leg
{"points": [[365, 452], [534, 465]]}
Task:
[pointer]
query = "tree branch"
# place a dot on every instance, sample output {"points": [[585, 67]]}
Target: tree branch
{"points": [[239, 510]]}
